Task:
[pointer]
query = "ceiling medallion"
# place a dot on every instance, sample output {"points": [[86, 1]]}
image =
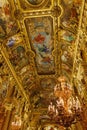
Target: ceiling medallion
{"points": [[34, 2], [56, 11]]}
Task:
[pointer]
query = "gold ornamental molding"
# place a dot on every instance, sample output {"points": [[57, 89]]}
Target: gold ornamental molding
{"points": [[75, 62], [27, 5], [3, 52]]}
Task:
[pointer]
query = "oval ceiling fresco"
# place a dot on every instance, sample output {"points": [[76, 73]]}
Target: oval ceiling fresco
{"points": [[34, 2]]}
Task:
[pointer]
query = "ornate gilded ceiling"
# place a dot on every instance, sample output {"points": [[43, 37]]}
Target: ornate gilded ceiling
{"points": [[39, 41]]}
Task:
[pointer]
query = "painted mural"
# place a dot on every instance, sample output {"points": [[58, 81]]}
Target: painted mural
{"points": [[48, 83], [67, 48], [67, 36], [40, 32], [40, 98], [67, 43], [17, 52], [27, 76], [71, 14], [68, 31], [14, 40], [6, 82], [3, 90], [67, 56], [7, 25], [19, 58]]}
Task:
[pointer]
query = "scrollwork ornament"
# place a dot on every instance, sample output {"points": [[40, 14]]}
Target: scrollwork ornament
{"points": [[56, 11], [8, 106], [18, 14]]}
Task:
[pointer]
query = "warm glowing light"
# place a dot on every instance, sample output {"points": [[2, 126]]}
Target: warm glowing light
{"points": [[66, 109]]}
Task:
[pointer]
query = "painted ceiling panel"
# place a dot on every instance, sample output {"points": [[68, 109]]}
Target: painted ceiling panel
{"points": [[69, 24], [71, 15], [8, 25], [40, 32], [20, 60]]}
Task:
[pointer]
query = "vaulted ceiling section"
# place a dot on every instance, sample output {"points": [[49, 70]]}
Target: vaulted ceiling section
{"points": [[40, 40]]}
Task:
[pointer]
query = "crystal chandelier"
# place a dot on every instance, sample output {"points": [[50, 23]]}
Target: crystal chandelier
{"points": [[17, 123], [66, 108]]}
